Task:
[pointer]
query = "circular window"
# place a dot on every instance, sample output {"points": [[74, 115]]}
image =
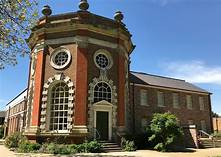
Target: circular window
{"points": [[60, 58], [102, 59]]}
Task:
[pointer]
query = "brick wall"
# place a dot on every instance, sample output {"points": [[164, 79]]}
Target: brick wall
{"points": [[217, 124], [183, 114]]}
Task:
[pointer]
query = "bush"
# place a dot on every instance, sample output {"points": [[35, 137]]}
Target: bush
{"points": [[165, 131], [14, 140], [127, 145], [87, 147], [217, 134], [27, 147]]}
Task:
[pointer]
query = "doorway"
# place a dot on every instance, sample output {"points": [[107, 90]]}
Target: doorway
{"points": [[102, 124]]}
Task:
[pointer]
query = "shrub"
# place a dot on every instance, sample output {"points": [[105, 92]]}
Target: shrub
{"points": [[93, 147], [165, 131], [27, 147], [217, 134], [14, 140], [127, 145], [87, 147]]}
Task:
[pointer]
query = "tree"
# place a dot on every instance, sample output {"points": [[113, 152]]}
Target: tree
{"points": [[214, 114], [16, 19], [165, 130]]}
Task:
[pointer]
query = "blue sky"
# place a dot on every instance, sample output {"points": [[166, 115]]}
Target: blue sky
{"points": [[176, 38]]}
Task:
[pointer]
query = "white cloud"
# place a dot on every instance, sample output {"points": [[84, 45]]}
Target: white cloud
{"points": [[194, 71]]}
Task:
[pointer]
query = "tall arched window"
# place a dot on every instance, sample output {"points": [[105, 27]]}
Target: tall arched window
{"points": [[102, 91], [59, 106]]}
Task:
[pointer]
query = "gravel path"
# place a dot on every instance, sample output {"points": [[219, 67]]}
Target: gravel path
{"points": [[214, 152]]}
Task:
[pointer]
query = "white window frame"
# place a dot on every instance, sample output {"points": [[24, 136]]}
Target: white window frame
{"points": [[189, 102], [176, 100], [108, 56], [202, 103], [144, 97], [102, 98], [53, 55], [58, 111], [160, 99]]}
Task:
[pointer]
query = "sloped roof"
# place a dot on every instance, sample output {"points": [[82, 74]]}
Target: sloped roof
{"points": [[19, 98], [160, 81]]}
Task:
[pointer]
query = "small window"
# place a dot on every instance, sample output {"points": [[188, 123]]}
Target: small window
{"points": [[189, 102], [60, 58], [102, 59], [201, 103], [175, 100], [102, 91], [143, 97], [144, 124], [160, 99], [203, 125]]}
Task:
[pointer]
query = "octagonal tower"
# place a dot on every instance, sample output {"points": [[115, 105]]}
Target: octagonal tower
{"points": [[78, 81]]}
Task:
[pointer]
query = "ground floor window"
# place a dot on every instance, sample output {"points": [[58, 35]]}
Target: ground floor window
{"points": [[59, 106]]}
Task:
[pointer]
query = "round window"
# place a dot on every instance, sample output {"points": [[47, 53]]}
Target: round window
{"points": [[60, 58], [102, 59]]}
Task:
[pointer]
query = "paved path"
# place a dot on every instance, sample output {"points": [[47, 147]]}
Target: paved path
{"points": [[214, 152], [4, 152]]}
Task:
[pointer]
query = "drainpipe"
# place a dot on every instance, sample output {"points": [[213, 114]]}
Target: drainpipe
{"points": [[211, 116], [133, 110]]}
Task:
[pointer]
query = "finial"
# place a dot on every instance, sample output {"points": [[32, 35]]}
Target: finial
{"points": [[118, 16], [83, 5], [46, 10]]}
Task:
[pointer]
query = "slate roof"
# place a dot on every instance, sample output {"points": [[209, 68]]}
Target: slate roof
{"points": [[160, 81]]}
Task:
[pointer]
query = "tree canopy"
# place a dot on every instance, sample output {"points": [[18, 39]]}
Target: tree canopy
{"points": [[16, 19], [165, 130]]}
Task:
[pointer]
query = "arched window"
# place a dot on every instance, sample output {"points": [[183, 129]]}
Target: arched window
{"points": [[102, 91], [59, 106]]}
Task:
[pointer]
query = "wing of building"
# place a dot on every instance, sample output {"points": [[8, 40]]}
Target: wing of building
{"points": [[80, 84]]}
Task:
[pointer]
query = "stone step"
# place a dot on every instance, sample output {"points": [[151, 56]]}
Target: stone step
{"points": [[109, 146], [209, 143]]}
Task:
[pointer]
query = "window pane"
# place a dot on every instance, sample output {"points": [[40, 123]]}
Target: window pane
{"points": [[160, 98], [143, 98], [102, 91], [59, 97]]}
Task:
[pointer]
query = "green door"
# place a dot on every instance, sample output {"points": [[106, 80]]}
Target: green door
{"points": [[102, 125]]}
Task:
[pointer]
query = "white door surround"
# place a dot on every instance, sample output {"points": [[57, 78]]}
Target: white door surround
{"points": [[106, 107]]}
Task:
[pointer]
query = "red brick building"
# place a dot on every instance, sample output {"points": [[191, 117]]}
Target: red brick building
{"points": [[16, 114], [80, 84]]}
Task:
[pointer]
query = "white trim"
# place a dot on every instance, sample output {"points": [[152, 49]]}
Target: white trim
{"points": [[84, 39], [17, 100], [44, 126], [108, 56], [91, 114], [169, 89], [53, 55], [105, 107]]}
